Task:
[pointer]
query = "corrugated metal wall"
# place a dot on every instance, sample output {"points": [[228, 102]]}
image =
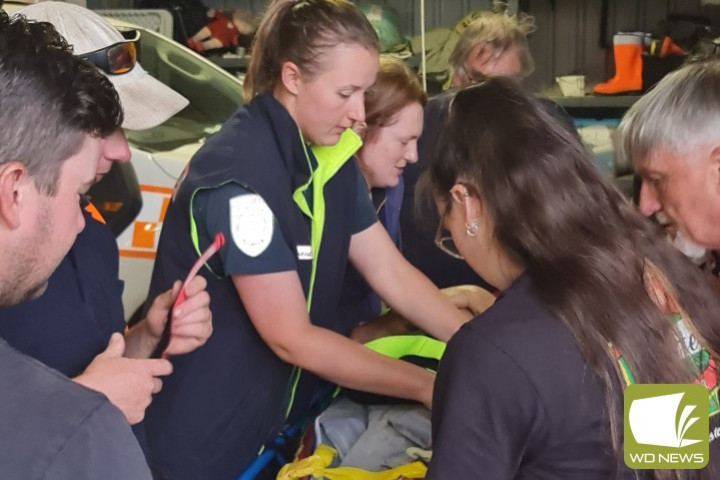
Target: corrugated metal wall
{"points": [[567, 39]]}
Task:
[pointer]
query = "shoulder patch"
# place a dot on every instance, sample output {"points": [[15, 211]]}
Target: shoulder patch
{"points": [[251, 224]]}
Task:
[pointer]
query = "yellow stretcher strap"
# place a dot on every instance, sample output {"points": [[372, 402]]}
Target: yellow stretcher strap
{"points": [[316, 465]]}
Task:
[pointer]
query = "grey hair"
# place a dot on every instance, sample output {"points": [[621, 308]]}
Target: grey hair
{"points": [[681, 112], [499, 30]]}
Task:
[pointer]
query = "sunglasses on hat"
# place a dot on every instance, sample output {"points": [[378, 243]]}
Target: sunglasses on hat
{"points": [[117, 58]]}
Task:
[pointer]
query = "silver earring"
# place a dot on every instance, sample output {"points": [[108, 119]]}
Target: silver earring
{"points": [[471, 229]]}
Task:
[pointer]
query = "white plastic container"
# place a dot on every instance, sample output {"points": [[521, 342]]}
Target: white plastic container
{"points": [[572, 85]]}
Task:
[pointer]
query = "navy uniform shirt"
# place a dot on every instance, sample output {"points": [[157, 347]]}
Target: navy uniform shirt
{"points": [[358, 302], [72, 321], [268, 252], [214, 208], [239, 390]]}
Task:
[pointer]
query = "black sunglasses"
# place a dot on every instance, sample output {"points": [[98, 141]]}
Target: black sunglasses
{"points": [[117, 58]]}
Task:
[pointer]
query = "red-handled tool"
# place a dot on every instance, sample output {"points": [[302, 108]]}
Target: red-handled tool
{"points": [[211, 250]]}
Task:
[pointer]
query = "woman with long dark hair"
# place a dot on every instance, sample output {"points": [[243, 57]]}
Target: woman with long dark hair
{"points": [[593, 298]]}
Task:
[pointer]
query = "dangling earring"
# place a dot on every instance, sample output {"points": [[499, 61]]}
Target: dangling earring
{"points": [[471, 229]]}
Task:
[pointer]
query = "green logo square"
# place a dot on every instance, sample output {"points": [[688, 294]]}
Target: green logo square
{"points": [[666, 426]]}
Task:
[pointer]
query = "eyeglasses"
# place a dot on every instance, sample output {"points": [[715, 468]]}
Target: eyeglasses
{"points": [[443, 239], [707, 48], [117, 58]]}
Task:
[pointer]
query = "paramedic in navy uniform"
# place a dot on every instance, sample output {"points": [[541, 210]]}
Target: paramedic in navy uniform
{"points": [[280, 182], [593, 298]]}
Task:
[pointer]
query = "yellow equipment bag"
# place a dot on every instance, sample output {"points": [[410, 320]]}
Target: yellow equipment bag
{"points": [[316, 466]]}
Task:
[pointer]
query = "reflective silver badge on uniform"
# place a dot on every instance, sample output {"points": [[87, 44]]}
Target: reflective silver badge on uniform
{"points": [[304, 252], [251, 224]]}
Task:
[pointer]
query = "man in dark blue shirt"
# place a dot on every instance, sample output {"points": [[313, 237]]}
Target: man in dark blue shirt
{"points": [[54, 111], [78, 325]]}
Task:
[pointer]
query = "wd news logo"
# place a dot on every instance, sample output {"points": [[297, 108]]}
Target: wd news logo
{"points": [[666, 426]]}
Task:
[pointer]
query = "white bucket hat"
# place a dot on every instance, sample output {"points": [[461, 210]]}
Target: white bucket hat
{"points": [[146, 101]]}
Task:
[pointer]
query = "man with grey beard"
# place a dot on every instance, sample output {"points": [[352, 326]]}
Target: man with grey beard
{"points": [[672, 138]]}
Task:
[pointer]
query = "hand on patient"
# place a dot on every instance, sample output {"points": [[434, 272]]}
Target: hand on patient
{"points": [[472, 298], [383, 326]]}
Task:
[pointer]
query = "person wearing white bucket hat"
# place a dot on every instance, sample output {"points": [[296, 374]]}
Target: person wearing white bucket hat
{"points": [[80, 318], [147, 102]]}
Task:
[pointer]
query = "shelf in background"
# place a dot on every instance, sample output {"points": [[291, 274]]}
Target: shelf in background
{"points": [[592, 106], [596, 101], [590, 100]]}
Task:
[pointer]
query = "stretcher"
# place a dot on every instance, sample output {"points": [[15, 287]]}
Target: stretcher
{"points": [[293, 453]]}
